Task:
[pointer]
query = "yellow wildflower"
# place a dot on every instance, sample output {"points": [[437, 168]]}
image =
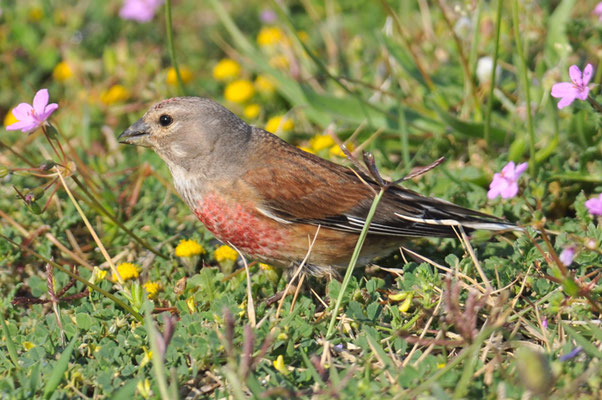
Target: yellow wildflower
{"points": [[279, 61], [264, 84], [269, 36], [239, 91], [266, 267], [115, 94], [35, 14], [252, 111], [185, 74], [226, 69], [143, 387], [62, 71], [282, 336], [9, 118], [279, 123], [189, 248], [336, 150], [190, 303], [127, 271], [303, 36], [152, 288], [321, 142], [148, 356], [280, 366], [97, 275], [225, 253], [28, 345], [306, 149], [441, 365], [405, 306]]}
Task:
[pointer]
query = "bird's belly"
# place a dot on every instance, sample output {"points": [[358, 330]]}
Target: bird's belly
{"points": [[242, 226]]}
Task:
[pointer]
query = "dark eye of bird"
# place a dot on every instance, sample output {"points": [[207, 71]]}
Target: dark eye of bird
{"points": [[165, 120]]}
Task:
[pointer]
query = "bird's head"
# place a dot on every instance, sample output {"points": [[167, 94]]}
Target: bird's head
{"points": [[187, 130]]}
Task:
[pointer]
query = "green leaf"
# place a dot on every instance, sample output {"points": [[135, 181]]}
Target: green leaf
{"points": [[557, 44], [588, 346], [59, 369]]}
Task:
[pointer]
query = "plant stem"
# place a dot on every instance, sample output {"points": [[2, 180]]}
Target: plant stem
{"points": [[498, 25], [113, 218], [526, 87], [463, 60], [354, 258], [594, 104], [170, 45], [92, 286]]}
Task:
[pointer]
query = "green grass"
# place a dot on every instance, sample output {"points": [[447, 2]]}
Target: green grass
{"points": [[391, 77]]}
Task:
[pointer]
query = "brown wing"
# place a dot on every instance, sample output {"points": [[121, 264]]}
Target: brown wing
{"points": [[299, 187]]}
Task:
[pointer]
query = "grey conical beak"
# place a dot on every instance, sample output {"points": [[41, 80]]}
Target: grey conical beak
{"points": [[137, 134]]}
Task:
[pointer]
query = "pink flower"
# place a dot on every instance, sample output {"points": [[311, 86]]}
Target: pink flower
{"points": [[566, 256], [505, 182], [577, 89], [139, 10], [598, 10], [30, 118], [594, 206]]}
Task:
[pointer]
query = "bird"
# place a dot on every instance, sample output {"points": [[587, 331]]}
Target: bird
{"points": [[273, 201]]}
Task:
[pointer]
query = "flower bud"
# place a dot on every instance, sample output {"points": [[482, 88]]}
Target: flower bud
{"points": [[34, 208], [46, 165], [51, 131]]}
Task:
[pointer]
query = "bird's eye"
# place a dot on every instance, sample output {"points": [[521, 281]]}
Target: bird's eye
{"points": [[165, 120]]}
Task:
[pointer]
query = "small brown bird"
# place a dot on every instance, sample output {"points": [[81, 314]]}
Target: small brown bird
{"points": [[267, 198]]}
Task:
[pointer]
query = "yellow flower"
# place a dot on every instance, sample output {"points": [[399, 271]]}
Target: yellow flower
{"points": [[441, 365], [239, 91], [269, 36], [336, 150], [279, 61], [306, 149], [303, 36], [28, 345], [279, 123], [62, 71], [226, 69], [280, 366], [148, 356], [321, 142], [115, 94], [185, 74], [143, 387], [35, 14], [252, 111], [127, 271], [225, 253], [191, 304], [264, 84], [282, 336], [405, 306], [9, 118], [97, 275], [266, 267], [152, 288], [189, 248]]}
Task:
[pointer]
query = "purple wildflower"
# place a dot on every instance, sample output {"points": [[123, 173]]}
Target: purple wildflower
{"points": [[577, 89], [139, 10], [571, 354], [505, 183], [31, 117], [594, 206], [267, 16], [567, 255]]}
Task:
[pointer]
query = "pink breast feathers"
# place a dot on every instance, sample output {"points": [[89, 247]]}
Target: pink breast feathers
{"points": [[241, 225]]}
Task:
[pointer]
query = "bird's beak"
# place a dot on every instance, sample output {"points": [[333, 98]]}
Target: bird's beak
{"points": [[137, 134]]}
